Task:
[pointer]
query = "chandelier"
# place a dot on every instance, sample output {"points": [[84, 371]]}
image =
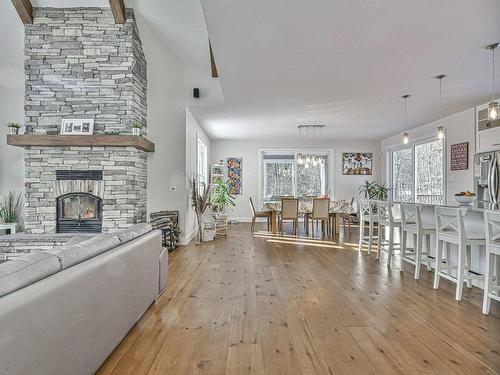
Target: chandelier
{"points": [[310, 160]]}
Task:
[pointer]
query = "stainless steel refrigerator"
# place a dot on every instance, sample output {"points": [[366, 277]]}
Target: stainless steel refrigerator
{"points": [[486, 177]]}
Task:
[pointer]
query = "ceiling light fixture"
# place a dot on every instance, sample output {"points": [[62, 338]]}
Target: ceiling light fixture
{"points": [[493, 106], [440, 128], [310, 126], [406, 137]]}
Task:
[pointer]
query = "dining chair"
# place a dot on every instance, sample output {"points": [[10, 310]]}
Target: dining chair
{"points": [[450, 229], [412, 224], [260, 214], [346, 213], [320, 213], [367, 220], [389, 221], [491, 285], [289, 212]]}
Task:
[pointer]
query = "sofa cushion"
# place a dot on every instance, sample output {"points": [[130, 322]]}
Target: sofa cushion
{"points": [[131, 233], [27, 269], [74, 254], [77, 239]]}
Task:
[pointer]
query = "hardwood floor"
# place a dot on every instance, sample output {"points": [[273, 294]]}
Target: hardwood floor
{"points": [[269, 305]]}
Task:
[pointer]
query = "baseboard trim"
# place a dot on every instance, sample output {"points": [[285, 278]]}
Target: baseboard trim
{"points": [[185, 240]]}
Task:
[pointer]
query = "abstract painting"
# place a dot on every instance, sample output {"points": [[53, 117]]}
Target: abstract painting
{"points": [[357, 163], [234, 172]]}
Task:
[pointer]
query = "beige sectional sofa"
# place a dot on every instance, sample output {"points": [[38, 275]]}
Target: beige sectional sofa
{"points": [[64, 311]]}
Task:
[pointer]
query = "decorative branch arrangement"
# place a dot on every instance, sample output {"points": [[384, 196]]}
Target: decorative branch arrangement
{"points": [[200, 201]]}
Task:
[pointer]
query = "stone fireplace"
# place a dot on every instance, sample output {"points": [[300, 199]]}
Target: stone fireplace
{"points": [[81, 64]]}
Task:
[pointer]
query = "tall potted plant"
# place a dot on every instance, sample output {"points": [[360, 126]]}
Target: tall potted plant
{"points": [[11, 208], [200, 201], [221, 196]]}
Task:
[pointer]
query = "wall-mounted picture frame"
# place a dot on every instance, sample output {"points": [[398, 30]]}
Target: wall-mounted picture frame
{"points": [[77, 127], [357, 163], [234, 175]]}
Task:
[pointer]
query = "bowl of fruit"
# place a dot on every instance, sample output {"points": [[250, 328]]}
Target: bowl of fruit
{"points": [[465, 197]]}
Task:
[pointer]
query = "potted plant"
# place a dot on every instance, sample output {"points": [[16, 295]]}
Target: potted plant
{"points": [[221, 196], [136, 128], [200, 201], [373, 190], [11, 208], [13, 128]]}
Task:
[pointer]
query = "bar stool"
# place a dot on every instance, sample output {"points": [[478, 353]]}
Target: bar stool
{"points": [[389, 218], [450, 229], [412, 224], [491, 287], [367, 219]]}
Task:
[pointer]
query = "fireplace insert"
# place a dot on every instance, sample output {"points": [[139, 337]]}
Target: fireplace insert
{"points": [[79, 212]]}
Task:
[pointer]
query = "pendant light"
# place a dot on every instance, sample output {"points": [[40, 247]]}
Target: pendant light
{"points": [[440, 128], [406, 137], [493, 106]]}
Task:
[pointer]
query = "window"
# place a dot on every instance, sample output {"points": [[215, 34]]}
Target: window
{"points": [[288, 174], [201, 163], [418, 173]]}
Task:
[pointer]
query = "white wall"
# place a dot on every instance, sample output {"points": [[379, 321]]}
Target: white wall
{"points": [[345, 187], [193, 132], [11, 158], [458, 128], [11, 97]]}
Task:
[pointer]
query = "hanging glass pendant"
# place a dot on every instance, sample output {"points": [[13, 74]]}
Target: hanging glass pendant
{"points": [[493, 111], [440, 132], [493, 106], [406, 137]]}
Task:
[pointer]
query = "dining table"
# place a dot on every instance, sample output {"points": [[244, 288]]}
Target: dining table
{"points": [[305, 206]]}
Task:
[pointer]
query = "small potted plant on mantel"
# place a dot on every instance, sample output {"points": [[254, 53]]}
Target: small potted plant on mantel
{"points": [[13, 128], [136, 128]]}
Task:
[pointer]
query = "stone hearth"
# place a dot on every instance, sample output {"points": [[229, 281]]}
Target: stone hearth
{"points": [[123, 186]]}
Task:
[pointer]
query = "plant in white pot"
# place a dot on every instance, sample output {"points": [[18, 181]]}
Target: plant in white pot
{"points": [[13, 128], [200, 201], [11, 208], [136, 128], [221, 197]]}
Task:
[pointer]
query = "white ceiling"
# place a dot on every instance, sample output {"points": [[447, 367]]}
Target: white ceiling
{"points": [[342, 63], [345, 64]]}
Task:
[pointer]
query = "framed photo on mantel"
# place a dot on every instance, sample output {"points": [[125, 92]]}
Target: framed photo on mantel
{"points": [[77, 127]]}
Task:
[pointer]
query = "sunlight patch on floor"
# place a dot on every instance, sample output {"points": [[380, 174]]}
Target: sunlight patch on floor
{"points": [[300, 242]]}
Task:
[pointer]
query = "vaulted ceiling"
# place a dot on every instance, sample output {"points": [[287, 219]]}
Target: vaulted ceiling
{"points": [[341, 63], [345, 64]]}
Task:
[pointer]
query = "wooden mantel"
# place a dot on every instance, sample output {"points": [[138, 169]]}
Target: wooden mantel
{"points": [[25, 140]]}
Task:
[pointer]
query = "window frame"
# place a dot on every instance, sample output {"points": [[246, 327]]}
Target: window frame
{"points": [[329, 152], [200, 145], [418, 141]]}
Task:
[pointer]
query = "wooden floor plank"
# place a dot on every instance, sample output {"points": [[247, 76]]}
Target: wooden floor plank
{"points": [[265, 304]]}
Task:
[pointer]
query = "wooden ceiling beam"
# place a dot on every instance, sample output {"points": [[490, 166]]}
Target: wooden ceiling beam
{"points": [[118, 9], [25, 10], [215, 74]]}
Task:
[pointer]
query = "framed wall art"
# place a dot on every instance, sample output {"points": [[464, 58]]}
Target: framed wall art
{"points": [[357, 163], [234, 174]]}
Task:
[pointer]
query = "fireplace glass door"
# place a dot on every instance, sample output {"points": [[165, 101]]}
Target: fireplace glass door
{"points": [[79, 212]]}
